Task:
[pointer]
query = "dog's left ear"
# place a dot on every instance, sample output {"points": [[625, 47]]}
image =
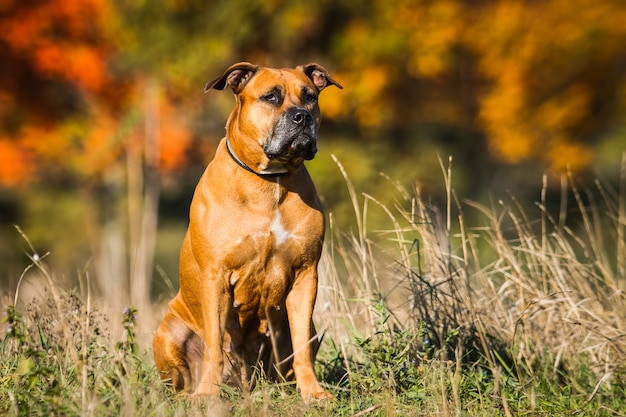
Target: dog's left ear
{"points": [[318, 74], [237, 76]]}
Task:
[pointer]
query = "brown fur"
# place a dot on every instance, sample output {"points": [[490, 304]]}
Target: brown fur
{"points": [[248, 263]]}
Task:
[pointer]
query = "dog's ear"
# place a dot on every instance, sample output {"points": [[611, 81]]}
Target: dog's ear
{"points": [[318, 74], [236, 77]]}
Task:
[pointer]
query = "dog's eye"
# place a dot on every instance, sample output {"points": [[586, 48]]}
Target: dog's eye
{"points": [[310, 97], [270, 98]]}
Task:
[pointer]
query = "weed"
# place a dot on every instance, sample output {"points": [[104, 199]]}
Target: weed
{"points": [[128, 344]]}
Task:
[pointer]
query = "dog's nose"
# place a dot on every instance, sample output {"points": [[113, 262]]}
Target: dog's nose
{"points": [[301, 116]]}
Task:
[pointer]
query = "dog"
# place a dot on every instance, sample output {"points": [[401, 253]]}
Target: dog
{"points": [[248, 262]]}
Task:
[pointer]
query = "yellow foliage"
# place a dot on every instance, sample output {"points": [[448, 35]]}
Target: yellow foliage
{"points": [[369, 88], [333, 101], [437, 30], [502, 113], [538, 69], [541, 59], [530, 75], [564, 111], [511, 144], [567, 156]]}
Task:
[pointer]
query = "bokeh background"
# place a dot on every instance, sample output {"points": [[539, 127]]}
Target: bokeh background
{"points": [[105, 129]]}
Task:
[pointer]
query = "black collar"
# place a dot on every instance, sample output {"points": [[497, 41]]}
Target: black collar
{"points": [[247, 168]]}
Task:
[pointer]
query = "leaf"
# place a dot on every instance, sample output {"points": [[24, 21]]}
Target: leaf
{"points": [[26, 366]]}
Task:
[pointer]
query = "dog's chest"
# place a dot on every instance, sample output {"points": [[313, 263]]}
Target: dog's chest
{"points": [[271, 238], [261, 267], [278, 233], [261, 239], [266, 251]]}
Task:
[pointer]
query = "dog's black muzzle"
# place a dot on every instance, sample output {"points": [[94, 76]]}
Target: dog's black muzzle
{"points": [[295, 135]]}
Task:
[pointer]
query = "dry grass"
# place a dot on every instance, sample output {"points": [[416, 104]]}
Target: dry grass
{"points": [[522, 294], [515, 313]]}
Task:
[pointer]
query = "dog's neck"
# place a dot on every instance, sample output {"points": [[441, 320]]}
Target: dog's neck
{"points": [[269, 172]]}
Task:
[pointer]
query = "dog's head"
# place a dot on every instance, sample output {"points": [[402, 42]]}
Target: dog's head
{"points": [[276, 116]]}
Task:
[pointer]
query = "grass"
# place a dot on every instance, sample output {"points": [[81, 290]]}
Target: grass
{"points": [[515, 314]]}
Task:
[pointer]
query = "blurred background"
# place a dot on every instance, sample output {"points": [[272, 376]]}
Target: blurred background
{"points": [[105, 129]]}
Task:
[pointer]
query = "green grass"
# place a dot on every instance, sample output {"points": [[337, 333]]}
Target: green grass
{"points": [[517, 314]]}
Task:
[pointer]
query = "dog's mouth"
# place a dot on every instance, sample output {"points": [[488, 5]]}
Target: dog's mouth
{"points": [[294, 138], [302, 146]]}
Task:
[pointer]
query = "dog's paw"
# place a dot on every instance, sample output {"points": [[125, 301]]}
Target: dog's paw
{"points": [[315, 393], [205, 390]]}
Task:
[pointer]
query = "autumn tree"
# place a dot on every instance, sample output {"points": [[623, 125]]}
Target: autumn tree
{"points": [[542, 80], [108, 95], [71, 116]]}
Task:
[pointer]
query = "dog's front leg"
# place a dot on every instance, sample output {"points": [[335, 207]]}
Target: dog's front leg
{"points": [[215, 305], [300, 302]]}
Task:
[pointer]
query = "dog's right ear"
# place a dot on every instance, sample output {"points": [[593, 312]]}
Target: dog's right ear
{"points": [[237, 76]]}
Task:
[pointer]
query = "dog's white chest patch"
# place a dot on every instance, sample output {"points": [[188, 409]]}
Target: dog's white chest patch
{"points": [[278, 231]]}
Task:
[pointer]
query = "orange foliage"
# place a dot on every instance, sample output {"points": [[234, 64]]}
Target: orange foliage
{"points": [[47, 40], [61, 39], [100, 148], [68, 40], [540, 79], [163, 133], [14, 164], [175, 137], [82, 65], [87, 148]]}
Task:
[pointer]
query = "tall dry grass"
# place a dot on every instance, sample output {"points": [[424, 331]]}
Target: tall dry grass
{"points": [[513, 310], [520, 289]]}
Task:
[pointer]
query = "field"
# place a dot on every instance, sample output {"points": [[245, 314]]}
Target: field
{"points": [[521, 312]]}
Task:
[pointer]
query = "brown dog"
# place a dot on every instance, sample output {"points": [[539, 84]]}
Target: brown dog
{"points": [[248, 264]]}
